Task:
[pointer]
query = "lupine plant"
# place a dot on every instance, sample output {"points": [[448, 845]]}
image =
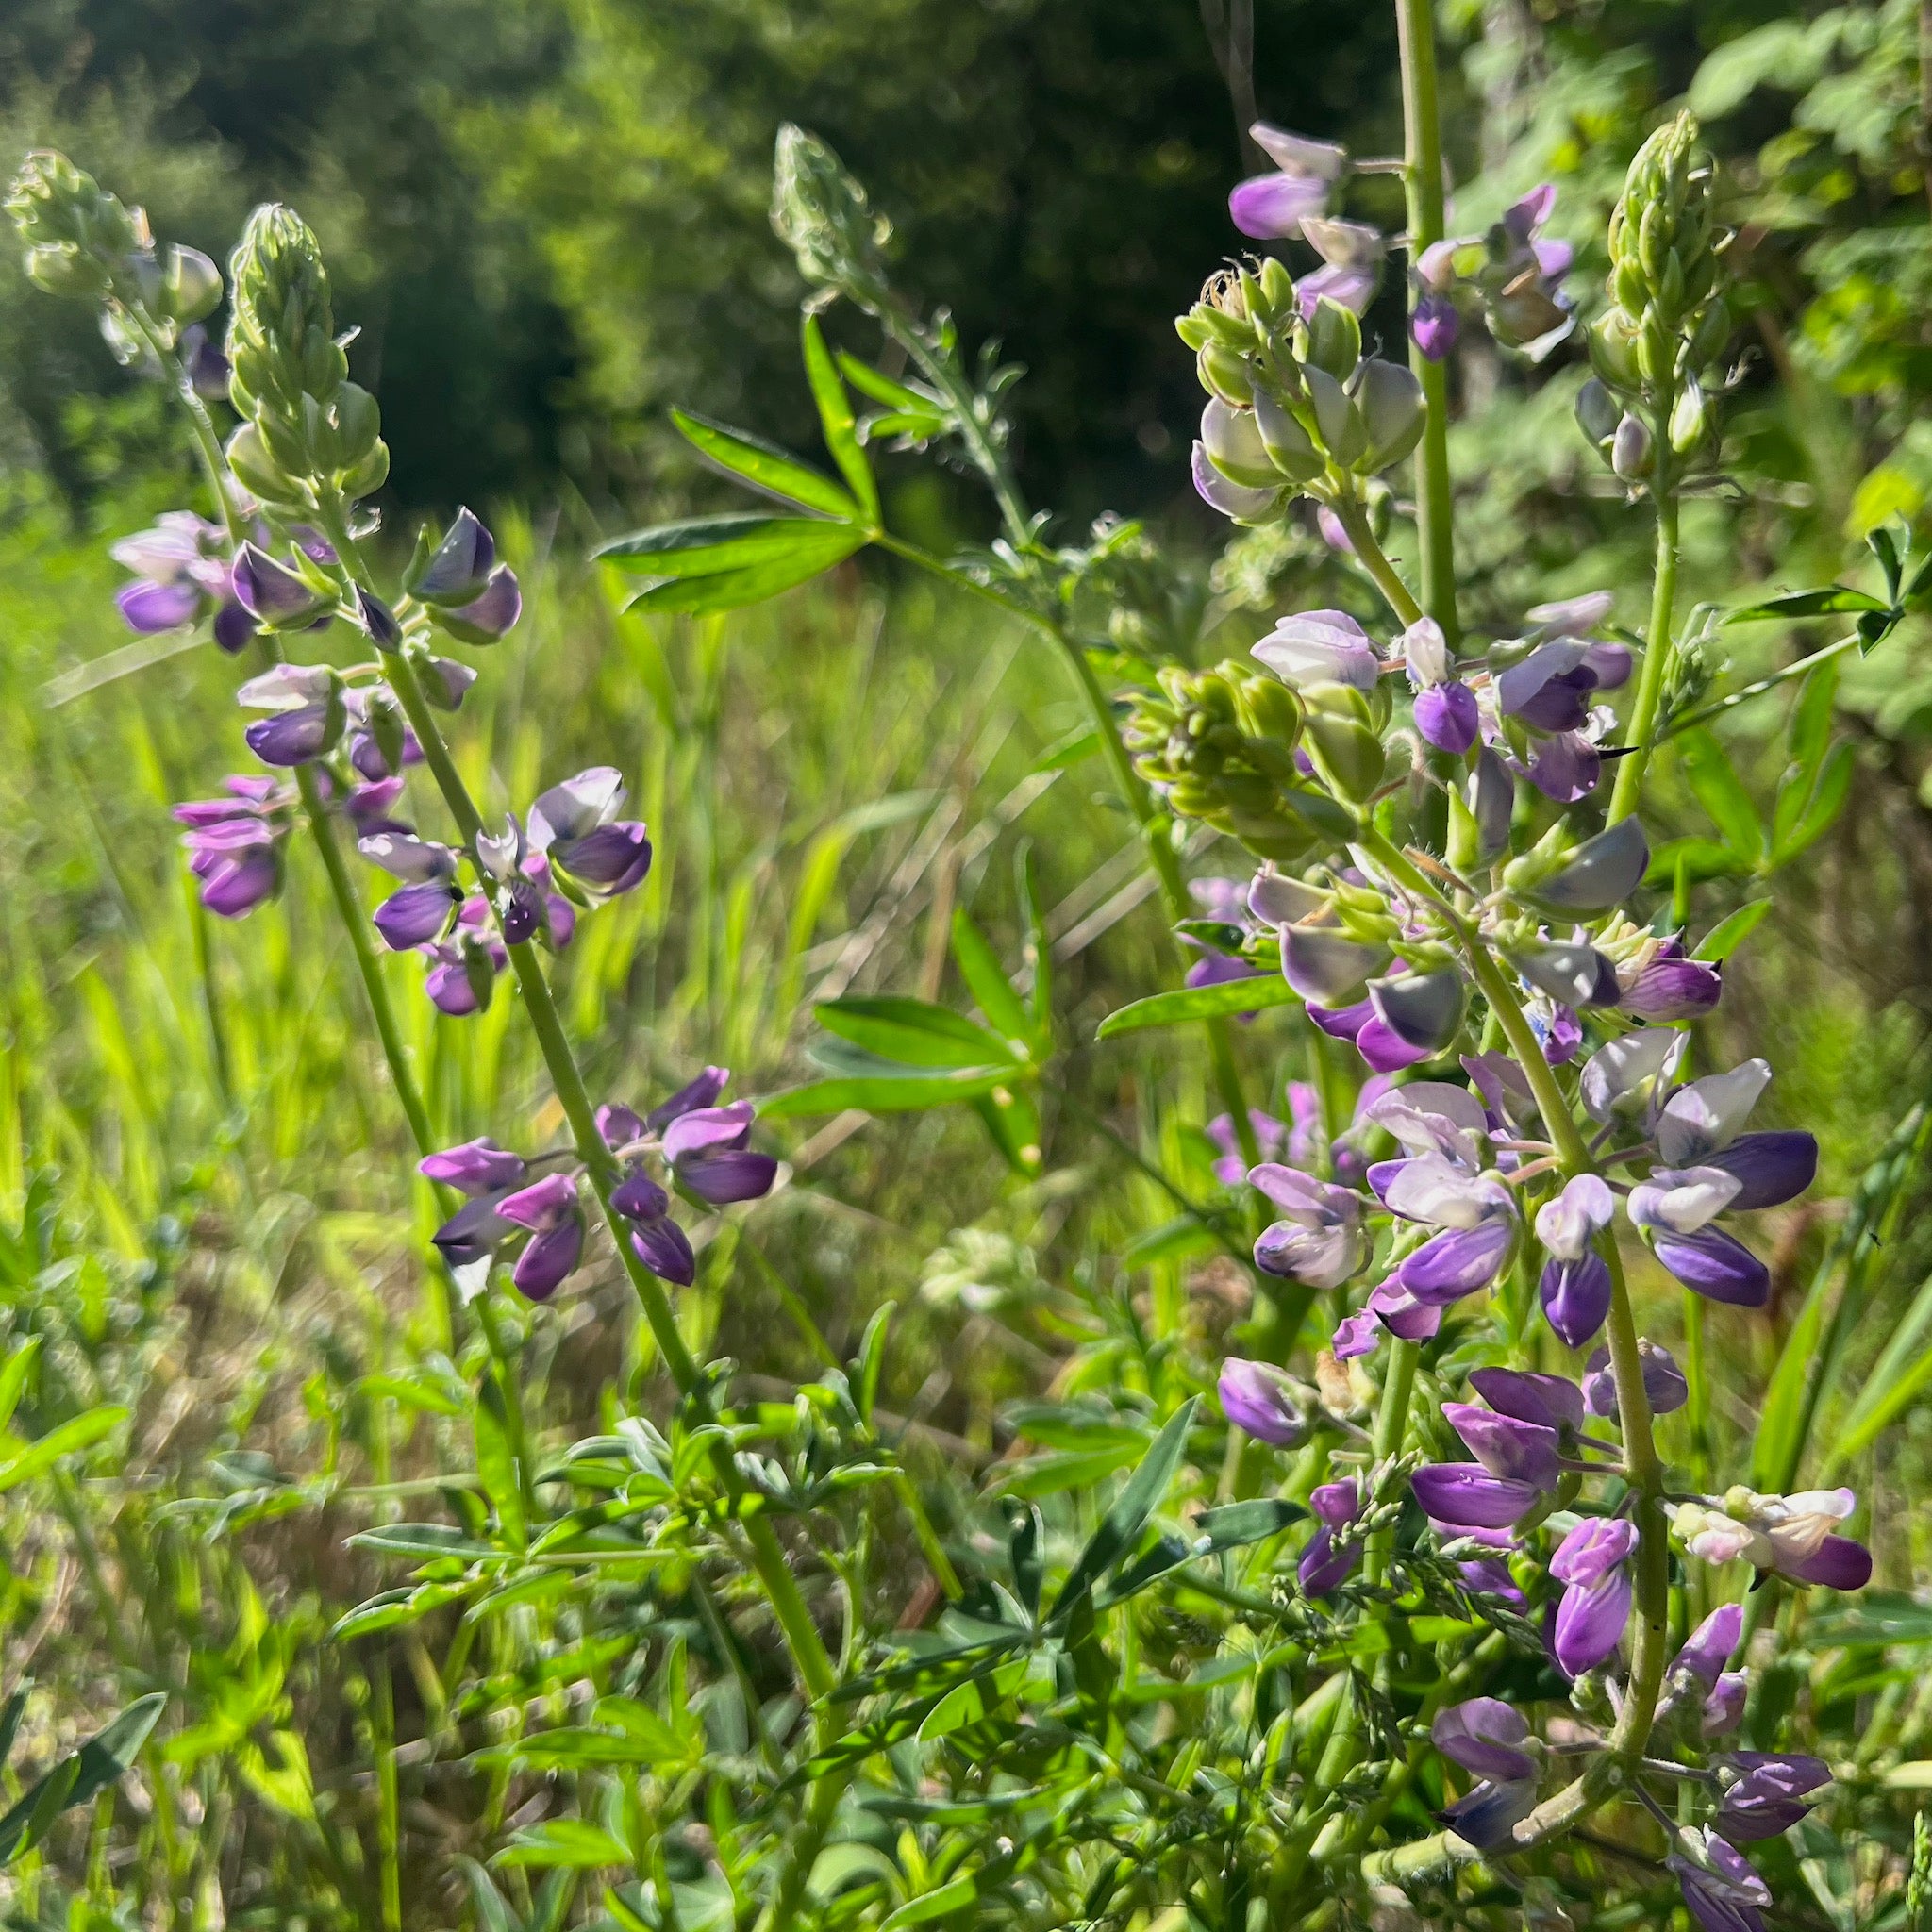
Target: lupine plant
{"points": [[1421, 1613]]}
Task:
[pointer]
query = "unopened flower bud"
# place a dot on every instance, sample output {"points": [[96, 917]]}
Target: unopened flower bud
{"points": [[822, 215], [191, 285], [1630, 448], [1233, 442], [1597, 415], [1344, 435], [1289, 446], [1689, 419], [1389, 400], [1224, 372], [1335, 338]]}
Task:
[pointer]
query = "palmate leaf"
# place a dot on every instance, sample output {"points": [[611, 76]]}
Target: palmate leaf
{"points": [[835, 419], [1226, 1528], [1730, 932], [708, 546], [1722, 794]]}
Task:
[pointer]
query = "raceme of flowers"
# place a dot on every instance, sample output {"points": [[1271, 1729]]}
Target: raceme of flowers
{"points": [[687, 1143]]}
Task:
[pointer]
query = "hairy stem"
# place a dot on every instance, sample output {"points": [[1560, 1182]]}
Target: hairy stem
{"points": [[1658, 649], [1422, 176]]}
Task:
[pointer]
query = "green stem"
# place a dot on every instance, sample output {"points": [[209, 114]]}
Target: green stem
{"points": [[809, 1651], [1658, 649], [1423, 177], [356, 923], [1374, 560]]}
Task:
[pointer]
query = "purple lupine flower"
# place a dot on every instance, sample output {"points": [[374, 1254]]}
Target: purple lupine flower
{"points": [[576, 826], [1381, 1048], [1506, 1445], [1667, 986], [1792, 1536], [271, 593], [1434, 323], [1576, 1285], [660, 1243], [1721, 1890], [1700, 1126], [709, 1152], [1489, 1738], [1351, 256], [1476, 1217], [1259, 1398], [1242, 503], [181, 575], [1320, 1239], [474, 1167], [1710, 1647], [417, 915], [1331, 1552], [1664, 1387], [234, 844], [550, 1209], [1464, 1495], [1592, 1562], [373, 715], [1319, 647], [1723, 1709], [487, 1173], [559, 915], [1769, 1794], [1520, 282], [1447, 712], [1270, 206], [473, 596]]}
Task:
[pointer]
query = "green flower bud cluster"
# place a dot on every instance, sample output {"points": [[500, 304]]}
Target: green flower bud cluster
{"points": [[822, 215], [1220, 744], [1294, 405], [1668, 321], [306, 427], [84, 243]]}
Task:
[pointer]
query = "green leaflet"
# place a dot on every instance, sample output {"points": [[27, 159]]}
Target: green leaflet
{"points": [[1200, 1003]]}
